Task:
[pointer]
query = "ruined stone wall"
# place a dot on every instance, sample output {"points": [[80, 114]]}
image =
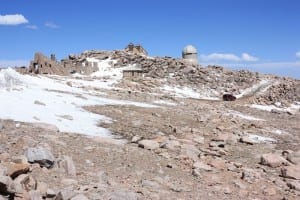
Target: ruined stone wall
{"points": [[41, 64], [136, 49]]}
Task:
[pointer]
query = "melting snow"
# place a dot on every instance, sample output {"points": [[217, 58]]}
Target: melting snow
{"points": [[243, 116], [261, 139], [279, 132], [186, 92], [261, 87], [19, 94], [164, 102], [293, 108]]}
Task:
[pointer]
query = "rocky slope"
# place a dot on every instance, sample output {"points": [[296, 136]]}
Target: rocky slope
{"points": [[166, 135]]}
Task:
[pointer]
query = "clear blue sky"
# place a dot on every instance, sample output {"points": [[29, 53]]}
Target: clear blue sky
{"points": [[262, 35]]}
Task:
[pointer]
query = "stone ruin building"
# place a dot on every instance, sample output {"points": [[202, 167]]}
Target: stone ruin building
{"points": [[136, 49], [87, 62], [41, 64]]}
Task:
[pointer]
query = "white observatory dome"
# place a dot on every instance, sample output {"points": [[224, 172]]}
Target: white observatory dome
{"points": [[189, 53], [189, 49]]}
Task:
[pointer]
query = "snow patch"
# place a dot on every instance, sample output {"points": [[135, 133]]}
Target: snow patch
{"points": [[293, 108], [279, 132], [165, 102], [243, 116], [186, 92], [260, 88], [56, 99], [261, 139]]}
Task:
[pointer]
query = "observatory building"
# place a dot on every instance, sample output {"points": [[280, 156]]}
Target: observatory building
{"points": [[189, 53]]}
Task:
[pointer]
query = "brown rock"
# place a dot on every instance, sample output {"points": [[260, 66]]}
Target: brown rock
{"points": [[67, 163], [65, 194], [79, 197], [171, 144], [68, 181], [42, 188], [221, 137], [246, 140], [26, 181], [292, 172], [6, 185], [34, 195], [269, 191], [218, 164], [17, 169], [148, 144], [19, 159], [50, 193], [294, 185], [294, 157], [202, 166], [250, 175], [272, 160]]}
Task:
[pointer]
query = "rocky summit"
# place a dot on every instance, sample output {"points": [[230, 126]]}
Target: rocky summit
{"points": [[123, 125]]}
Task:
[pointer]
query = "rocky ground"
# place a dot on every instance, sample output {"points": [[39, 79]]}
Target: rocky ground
{"points": [[194, 149], [172, 135]]}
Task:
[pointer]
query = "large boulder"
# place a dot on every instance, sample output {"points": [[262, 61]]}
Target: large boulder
{"points": [[272, 160], [6, 185], [292, 172], [40, 155], [229, 97], [149, 144], [67, 164]]}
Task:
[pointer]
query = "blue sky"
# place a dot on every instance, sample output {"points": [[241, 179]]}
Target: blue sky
{"points": [[260, 35]]}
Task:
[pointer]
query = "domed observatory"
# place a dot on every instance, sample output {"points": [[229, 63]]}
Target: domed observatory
{"points": [[189, 53]]}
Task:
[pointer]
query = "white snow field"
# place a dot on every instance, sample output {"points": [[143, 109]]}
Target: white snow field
{"points": [[44, 99]]}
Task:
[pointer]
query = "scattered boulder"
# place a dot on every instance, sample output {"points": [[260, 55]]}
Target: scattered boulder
{"points": [[16, 169], [79, 197], [272, 160], [121, 194], [65, 194], [250, 175], [67, 164], [39, 103], [42, 188], [202, 166], [50, 193], [6, 185], [247, 140], [170, 144], [228, 97], [136, 139], [19, 159], [26, 181], [293, 157], [148, 144], [69, 181], [34, 195], [292, 172], [151, 185], [294, 185], [218, 164], [40, 155]]}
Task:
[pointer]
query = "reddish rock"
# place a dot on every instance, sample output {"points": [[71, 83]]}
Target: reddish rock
{"points": [[272, 160], [148, 144], [218, 164], [292, 172], [15, 169]]}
